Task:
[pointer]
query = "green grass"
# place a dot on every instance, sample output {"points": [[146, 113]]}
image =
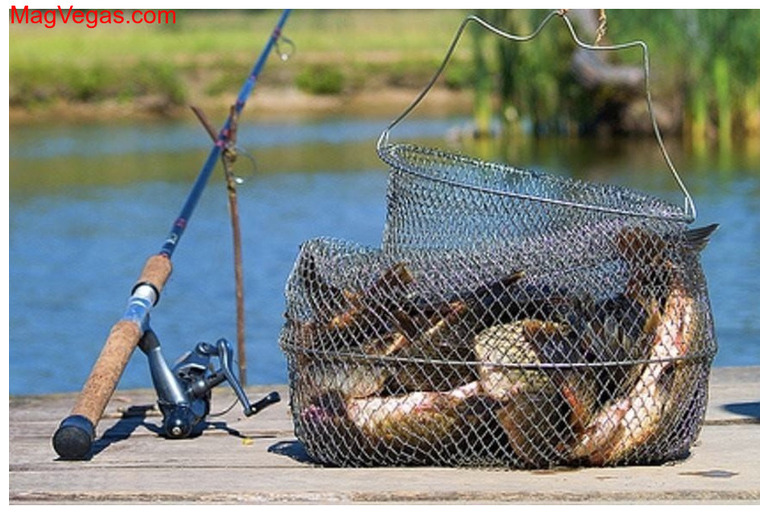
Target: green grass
{"points": [[209, 52], [221, 32]]}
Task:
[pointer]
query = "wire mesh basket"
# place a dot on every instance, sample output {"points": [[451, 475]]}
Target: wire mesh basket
{"points": [[510, 318]]}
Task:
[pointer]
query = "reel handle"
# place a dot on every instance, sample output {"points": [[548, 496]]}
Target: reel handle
{"points": [[224, 352], [265, 402]]}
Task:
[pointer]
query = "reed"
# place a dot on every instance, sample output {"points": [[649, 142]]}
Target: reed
{"points": [[706, 61]]}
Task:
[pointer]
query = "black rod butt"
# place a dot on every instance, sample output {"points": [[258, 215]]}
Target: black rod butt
{"points": [[73, 438]]}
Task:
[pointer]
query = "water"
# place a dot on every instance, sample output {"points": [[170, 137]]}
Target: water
{"points": [[89, 204]]}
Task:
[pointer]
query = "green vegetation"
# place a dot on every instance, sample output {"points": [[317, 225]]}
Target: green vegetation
{"points": [[321, 79], [713, 58], [705, 65], [206, 53], [99, 81]]}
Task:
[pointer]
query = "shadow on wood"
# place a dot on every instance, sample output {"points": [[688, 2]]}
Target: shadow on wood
{"points": [[292, 449], [749, 409], [131, 419]]}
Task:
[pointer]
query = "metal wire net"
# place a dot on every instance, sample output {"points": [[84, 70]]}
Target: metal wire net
{"points": [[511, 318]]}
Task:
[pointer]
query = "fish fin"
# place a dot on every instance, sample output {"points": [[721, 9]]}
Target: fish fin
{"points": [[512, 278], [698, 238], [535, 327], [654, 318]]}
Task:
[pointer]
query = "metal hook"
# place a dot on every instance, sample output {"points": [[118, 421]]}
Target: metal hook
{"points": [[562, 13]]}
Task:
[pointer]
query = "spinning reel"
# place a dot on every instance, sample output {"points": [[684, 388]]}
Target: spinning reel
{"points": [[184, 391]]}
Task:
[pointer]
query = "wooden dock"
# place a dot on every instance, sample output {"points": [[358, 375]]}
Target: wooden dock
{"points": [[258, 460]]}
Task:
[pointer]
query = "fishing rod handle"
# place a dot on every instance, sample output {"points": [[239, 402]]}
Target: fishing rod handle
{"points": [[155, 274], [76, 433]]}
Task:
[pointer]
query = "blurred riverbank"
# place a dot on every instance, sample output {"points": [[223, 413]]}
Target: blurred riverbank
{"points": [[340, 62], [374, 62], [268, 103]]}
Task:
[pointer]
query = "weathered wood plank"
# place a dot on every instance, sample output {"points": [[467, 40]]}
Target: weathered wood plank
{"points": [[258, 460], [270, 480]]}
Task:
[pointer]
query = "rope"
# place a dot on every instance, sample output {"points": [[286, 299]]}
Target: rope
{"points": [[602, 29]]}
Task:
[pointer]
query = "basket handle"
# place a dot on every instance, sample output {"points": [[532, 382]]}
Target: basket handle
{"points": [[689, 205]]}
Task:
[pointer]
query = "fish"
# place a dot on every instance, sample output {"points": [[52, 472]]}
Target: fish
{"points": [[542, 407], [637, 412], [366, 308], [324, 299], [696, 239], [327, 434], [350, 378], [428, 341], [508, 362], [549, 376], [417, 426], [345, 320], [617, 333], [625, 424], [434, 360], [405, 419], [514, 299], [650, 258]]}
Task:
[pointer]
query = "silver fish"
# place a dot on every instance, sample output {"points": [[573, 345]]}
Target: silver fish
{"points": [[412, 418], [350, 378]]}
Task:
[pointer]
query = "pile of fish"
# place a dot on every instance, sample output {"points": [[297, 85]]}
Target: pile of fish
{"points": [[513, 371]]}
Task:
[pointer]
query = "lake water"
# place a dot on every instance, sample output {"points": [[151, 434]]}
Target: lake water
{"points": [[89, 204]]}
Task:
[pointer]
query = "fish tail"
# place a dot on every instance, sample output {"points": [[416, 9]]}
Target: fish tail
{"points": [[698, 238]]}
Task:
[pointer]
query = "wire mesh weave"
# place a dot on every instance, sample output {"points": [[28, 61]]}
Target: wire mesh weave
{"points": [[511, 318]]}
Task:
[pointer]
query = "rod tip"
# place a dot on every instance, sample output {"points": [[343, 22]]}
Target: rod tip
{"points": [[73, 438]]}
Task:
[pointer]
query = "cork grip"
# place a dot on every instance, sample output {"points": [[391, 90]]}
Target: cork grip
{"points": [[76, 433], [120, 344], [156, 272], [105, 374]]}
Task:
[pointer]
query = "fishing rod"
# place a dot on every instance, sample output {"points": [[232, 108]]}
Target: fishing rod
{"points": [[184, 391]]}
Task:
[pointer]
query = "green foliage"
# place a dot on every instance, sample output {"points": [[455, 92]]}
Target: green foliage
{"points": [[723, 98], [321, 79], [705, 60], [207, 52], [533, 78], [459, 77], [226, 77], [482, 102], [415, 72], [87, 84], [29, 84], [712, 53], [95, 82], [155, 78]]}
